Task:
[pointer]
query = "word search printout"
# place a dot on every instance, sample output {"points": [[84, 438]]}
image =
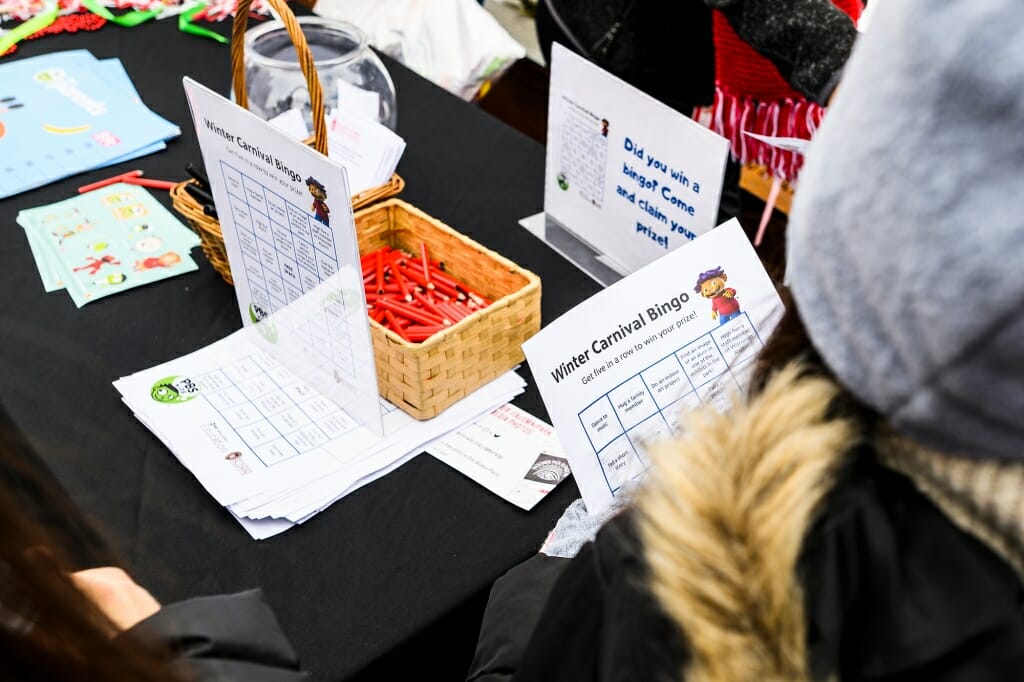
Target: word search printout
{"points": [[618, 370]]}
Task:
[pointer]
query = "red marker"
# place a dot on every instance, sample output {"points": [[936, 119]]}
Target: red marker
{"points": [[152, 184], [393, 324], [380, 272], [123, 177], [426, 263]]}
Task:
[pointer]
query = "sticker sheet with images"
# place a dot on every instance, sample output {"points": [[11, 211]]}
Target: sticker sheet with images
{"points": [[106, 241]]}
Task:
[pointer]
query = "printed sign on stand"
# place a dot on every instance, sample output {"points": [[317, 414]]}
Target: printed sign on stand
{"points": [[286, 217], [626, 174]]}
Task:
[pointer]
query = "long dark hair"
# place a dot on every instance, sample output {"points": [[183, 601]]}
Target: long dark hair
{"points": [[49, 630]]}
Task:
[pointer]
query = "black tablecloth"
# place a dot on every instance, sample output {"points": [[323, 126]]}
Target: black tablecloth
{"points": [[402, 561]]}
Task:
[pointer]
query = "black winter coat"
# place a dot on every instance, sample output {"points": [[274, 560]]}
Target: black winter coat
{"points": [[224, 638], [889, 587]]}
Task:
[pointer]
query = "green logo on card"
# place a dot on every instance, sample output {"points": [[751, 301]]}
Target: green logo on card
{"points": [[264, 326], [174, 389]]}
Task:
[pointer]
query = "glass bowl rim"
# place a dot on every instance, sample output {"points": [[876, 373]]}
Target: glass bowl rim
{"points": [[344, 27]]}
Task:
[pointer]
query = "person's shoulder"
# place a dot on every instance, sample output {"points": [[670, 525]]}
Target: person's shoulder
{"points": [[224, 637], [880, 514], [892, 584]]}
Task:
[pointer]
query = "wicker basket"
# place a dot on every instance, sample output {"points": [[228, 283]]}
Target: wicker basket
{"points": [[207, 227], [212, 239], [425, 378]]}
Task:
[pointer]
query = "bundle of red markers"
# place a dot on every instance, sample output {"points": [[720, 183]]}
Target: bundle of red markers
{"points": [[414, 296]]}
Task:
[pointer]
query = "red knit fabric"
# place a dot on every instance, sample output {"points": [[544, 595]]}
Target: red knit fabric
{"points": [[69, 23], [751, 95], [740, 69]]}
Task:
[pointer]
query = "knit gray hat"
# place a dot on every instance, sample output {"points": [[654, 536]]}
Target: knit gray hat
{"points": [[906, 239]]}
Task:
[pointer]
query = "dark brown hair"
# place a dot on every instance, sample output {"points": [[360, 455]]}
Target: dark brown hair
{"points": [[788, 343], [49, 630], [791, 343]]}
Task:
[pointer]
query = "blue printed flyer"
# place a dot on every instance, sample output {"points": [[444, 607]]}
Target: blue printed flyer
{"points": [[66, 113]]}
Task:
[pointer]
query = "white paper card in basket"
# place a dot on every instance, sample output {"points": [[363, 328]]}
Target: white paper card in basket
{"points": [[368, 150]]}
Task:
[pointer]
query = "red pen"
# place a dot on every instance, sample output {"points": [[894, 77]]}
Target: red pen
{"points": [[430, 307], [426, 263], [380, 272], [123, 177], [386, 289], [371, 258], [407, 311], [438, 277], [152, 184], [393, 324], [456, 311], [397, 272], [421, 334]]}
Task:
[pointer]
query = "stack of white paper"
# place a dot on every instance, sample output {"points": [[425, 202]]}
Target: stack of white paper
{"points": [[368, 150], [358, 102], [267, 445]]}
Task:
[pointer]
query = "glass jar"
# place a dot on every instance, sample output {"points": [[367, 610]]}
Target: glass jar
{"points": [[276, 84]]}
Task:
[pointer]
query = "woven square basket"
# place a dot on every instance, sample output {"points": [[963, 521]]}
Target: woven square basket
{"points": [[425, 378], [211, 238]]}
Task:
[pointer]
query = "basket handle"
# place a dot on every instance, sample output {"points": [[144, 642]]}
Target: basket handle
{"points": [[316, 94]]}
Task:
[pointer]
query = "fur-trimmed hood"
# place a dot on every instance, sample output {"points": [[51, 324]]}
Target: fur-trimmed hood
{"points": [[726, 508]]}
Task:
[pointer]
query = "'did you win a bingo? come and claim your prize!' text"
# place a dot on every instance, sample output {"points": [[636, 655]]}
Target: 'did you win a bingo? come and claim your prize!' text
{"points": [[643, 178]]}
